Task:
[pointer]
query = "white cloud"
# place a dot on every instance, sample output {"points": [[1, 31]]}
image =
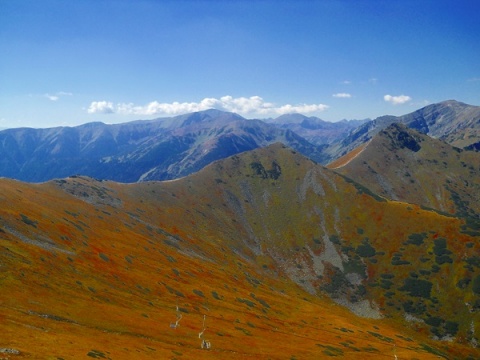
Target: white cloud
{"points": [[101, 107], [57, 95], [342, 95], [253, 106], [397, 100], [346, 82]]}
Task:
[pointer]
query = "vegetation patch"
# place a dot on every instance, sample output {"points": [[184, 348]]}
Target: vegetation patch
{"points": [[216, 296], [96, 354], [198, 292], [441, 252], [434, 351], [476, 285], [246, 301], [259, 170], [29, 221], [365, 249], [104, 257], [416, 239], [331, 350], [381, 337], [417, 287]]}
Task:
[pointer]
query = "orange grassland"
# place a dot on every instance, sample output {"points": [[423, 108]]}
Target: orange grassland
{"points": [[101, 270]]}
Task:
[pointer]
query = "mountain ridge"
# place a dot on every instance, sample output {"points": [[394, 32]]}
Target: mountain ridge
{"points": [[399, 163], [452, 121]]}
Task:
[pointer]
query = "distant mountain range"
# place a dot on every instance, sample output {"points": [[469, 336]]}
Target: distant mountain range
{"points": [[170, 148], [315, 130], [138, 151]]}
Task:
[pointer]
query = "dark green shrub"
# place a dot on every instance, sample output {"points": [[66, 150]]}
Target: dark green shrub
{"points": [[417, 287], [441, 251], [386, 284], [433, 321], [417, 308], [216, 296], [473, 261], [387, 276], [476, 285], [334, 239], [451, 327], [104, 257], [365, 250], [416, 239], [29, 221], [198, 292]]}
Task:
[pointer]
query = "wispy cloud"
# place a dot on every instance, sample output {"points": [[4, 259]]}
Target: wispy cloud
{"points": [[57, 95], [474, 79], [346, 82], [51, 97], [101, 107], [397, 100], [342, 95], [373, 80], [254, 105]]}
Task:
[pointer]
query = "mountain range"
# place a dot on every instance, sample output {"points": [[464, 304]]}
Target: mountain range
{"points": [[168, 148]]}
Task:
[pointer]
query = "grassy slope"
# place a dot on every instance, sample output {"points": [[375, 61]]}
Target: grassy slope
{"points": [[100, 274]]}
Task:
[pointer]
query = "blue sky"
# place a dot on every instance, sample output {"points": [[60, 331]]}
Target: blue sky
{"points": [[64, 63]]}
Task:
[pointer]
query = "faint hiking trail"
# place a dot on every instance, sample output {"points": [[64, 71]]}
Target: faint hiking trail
{"points": [[344, 160]]}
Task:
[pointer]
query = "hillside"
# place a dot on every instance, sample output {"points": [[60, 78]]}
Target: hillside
{"points": [[402, 164], [274, 252], [454, 122]]}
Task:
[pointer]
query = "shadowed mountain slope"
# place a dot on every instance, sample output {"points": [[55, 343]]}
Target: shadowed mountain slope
{"points": [[256, 245], [454, 122], [403, 164], [315, 130]]}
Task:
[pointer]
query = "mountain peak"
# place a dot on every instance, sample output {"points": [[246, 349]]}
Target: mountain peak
{"points": [[401, 137]]}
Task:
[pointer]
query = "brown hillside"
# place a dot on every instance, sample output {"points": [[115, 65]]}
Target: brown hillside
{"points": [[254, 244]]}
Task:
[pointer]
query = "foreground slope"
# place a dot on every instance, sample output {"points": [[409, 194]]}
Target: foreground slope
{"points": [[251, 245], [402, 164]]}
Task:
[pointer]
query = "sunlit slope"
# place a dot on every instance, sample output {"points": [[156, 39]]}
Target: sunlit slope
{"points": [[405, 165], [254, 243]]}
